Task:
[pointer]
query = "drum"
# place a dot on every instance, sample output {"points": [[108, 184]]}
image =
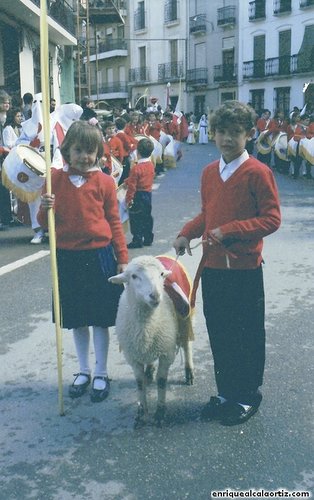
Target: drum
{"points": [[157, 153], [307, 149], [292, 147], [24, 172], [263, 143], [117, 169], [281, 146]]}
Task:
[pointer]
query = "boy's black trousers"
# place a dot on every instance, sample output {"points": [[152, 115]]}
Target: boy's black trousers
{"points": [[141, 220], [234, 309]]}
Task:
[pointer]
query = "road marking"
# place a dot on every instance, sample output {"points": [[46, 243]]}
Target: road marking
{"points": [[155, 186], [23, 262]]}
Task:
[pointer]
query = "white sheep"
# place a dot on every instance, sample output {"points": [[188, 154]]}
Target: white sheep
{"points": [[148, 328]]}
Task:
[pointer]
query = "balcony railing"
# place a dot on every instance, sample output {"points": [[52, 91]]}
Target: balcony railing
{"points": [[197, 76], [306, 3], [139, 20], [226, 15], [170, 71], [282, 6], [109, 45], [171, 11], [257, 10], [198, 24], [277, 66], [62, 13], [225, 73], [139, 74], [110, 88]]}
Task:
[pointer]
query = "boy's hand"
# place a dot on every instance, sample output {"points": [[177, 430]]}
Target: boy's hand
{"points": [[47, 201], [215, 236], [121, 268], [182, 244]]}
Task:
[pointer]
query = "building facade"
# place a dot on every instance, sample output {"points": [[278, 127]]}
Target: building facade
{"points": [[20, 48], [276, 56], [104, 51], [213, 53]]}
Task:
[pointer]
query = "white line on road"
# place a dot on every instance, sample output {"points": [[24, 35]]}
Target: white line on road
{"points": [[23, 262]]}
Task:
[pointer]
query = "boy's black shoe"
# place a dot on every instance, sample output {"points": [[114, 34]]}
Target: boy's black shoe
{"points": [[213, 410], [135, 244], [236, 414], [76, 391], [98, 395]]}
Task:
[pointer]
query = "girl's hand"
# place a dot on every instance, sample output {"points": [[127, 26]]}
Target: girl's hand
{"points": [[121, 268], [182, 244], [47, 201]]}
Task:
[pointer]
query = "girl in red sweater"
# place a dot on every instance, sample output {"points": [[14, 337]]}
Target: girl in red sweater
{"points": [[239, 207], [90, 247]]}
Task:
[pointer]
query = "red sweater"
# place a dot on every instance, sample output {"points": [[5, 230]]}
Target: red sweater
{"points": [[141, 178], [86, 217], [116, 147], [129, 144], [245, 208]]}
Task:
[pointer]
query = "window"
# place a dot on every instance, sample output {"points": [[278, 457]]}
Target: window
{"points": [[284, 52], [282, 100], [199, 105], [258, 100], [259, 56], [171, 11], [139, 17]]}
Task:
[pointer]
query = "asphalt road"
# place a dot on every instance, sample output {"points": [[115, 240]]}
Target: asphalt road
{"points": [[93, 452]]}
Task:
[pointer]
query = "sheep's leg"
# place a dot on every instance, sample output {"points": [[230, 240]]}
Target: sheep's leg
{"points": [[162, 376], [149, 373], [142, 410], [189, 367]]}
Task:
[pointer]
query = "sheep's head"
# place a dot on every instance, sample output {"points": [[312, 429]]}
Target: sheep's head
{"points": [[144, 278]]}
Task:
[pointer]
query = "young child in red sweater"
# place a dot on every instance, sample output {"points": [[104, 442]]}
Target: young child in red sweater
{"points": [[240, 206], [139, 196], [90, 247]]}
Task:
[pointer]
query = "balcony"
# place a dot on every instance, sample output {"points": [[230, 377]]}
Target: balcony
{"points": [[61, 19], [278, 66], [226, 16], [306, 3], [139, 75], [198, 24], [257, 10], [197, 77], [107, 11], [282, 7], [225, 73], [109, 48], [113, 90], [170, 72], [171, 11]]}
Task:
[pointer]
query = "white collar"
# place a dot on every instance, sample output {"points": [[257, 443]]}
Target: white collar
{"points": [[227, 169], [143, 160]]}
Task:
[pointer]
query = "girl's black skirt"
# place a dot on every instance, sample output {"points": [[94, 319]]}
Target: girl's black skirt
{"points": [[86, 296]]}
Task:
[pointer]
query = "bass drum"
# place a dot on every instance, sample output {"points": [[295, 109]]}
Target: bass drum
{"points": [[263, 143], [24, 172], [281, 146]]}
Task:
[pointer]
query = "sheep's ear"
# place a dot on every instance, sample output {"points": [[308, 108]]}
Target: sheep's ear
{"points": [[118, 279]]}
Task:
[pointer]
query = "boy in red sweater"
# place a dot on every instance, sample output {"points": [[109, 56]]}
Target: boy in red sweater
{"points": [[139, 196], [240, 206]]}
